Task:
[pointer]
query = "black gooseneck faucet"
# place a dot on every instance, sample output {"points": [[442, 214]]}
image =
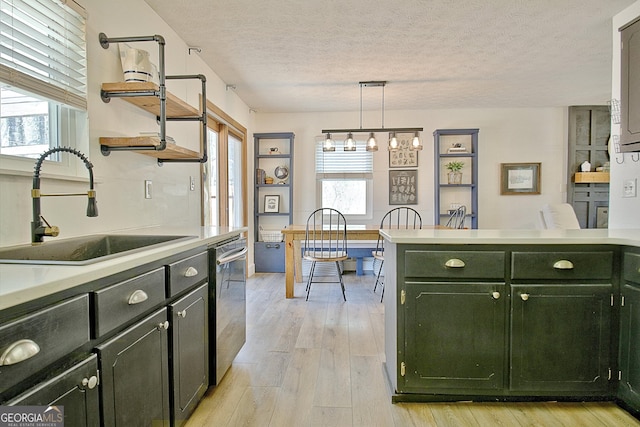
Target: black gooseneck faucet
{"points": [[38, 229]]}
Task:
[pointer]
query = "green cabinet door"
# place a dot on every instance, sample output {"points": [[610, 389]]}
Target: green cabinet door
{"points": [[454, 338], [629, 386], [560, 339]]}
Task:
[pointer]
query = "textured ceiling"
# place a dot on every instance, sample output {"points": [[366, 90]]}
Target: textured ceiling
{"points": [[309, 55]]}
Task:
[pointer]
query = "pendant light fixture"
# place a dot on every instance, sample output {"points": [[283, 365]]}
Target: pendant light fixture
{"points": [[372, 144], [416, 144], [329, 144], [350, 143], [393, 141]]}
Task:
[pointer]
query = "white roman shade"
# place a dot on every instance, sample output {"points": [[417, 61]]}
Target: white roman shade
{"points": [[350, 164], [43, 49]]}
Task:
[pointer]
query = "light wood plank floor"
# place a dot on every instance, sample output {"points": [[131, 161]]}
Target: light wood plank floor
{"points": [[319, 363]]}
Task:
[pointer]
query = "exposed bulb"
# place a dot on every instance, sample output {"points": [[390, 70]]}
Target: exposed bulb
{"points": [[350, 143], [415, 142], [328, 144], [372, 144], [393, 141]]}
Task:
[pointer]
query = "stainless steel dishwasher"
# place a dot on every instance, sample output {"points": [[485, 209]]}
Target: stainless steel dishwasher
{"points": [[227, 304]]}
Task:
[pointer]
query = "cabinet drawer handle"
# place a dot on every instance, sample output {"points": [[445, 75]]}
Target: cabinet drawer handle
{"points": [[454, 263], [137, 297], [90, 382], [191, 271], [182, 313], [524, 297], [496, 295], [164, 325], [276, 246], [563, 264], [19, 351]]}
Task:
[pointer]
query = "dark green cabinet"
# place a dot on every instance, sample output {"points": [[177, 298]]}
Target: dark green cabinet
{"points": [[454, 335], [629, 354], [189, 349], [134, 370], [75, 389], [510, 321], [629, 386], [560, 338]]}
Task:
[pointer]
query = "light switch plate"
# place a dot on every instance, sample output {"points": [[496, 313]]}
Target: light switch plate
{"points": [[147, 189], [629, 188]]}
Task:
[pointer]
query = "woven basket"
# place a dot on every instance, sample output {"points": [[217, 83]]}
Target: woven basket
{"points": [[270, 235]]}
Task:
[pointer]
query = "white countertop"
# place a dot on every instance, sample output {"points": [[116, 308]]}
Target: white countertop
{"points": [[470, 237], [20, 283]]}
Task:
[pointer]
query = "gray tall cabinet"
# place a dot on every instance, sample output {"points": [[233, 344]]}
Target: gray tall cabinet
{"points": [[272, 197], [456, 145], [589, 130]]}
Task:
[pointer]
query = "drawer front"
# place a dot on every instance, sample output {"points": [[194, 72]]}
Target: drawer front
{"points": [[455, 264], [187, 273], [119, 303], [632, 267], [269, 257], [562, 265], [50, 334]]}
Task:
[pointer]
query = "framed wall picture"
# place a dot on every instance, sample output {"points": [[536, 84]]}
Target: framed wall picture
{"points": [[520, 178], [404, 156], [272, 204], [403, 187]]}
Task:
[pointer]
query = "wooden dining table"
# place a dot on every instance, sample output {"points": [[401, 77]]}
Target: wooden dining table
{"points": [[293, 234]]}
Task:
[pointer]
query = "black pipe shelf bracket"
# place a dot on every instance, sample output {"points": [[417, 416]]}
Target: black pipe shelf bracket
{"points": [[155, 99]]}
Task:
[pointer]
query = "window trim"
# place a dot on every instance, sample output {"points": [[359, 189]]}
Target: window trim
{"points": [[369, 198], [54, 93], [336, 172]]}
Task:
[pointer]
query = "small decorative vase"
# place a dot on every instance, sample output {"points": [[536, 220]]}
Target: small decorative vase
{"points": [[454, 177]]}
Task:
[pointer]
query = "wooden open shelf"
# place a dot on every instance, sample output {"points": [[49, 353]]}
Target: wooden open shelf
{"points": [[591, 177], [175, 106], [172, 151]]}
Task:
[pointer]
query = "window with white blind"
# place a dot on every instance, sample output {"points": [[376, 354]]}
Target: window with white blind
{"points": [[43, 82], [345, 180]]}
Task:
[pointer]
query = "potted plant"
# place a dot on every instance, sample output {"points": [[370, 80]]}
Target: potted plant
{"points": [[455, 175]]}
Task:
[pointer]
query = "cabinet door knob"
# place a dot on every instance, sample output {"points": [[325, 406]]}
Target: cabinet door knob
{"points": [[164, 325], [454, 263], [19, 351], [495, 295], [138, 296], [90, 382], [191, 271], [563, 264], [182, 313], [524, 297]]}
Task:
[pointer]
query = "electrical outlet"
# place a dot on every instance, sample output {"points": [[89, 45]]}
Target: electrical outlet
{"points": [[147, 189], [629, 188], [192, 183]]}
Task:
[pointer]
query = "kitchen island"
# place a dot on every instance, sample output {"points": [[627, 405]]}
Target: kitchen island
{"points": [[512, 315]]}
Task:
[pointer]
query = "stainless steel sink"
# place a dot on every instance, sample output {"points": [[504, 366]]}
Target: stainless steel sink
{"points": [[83, 250]]}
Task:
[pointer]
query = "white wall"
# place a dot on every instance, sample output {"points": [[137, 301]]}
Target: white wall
{"points": [[506, 136], [121, 175], [623, 212]]}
